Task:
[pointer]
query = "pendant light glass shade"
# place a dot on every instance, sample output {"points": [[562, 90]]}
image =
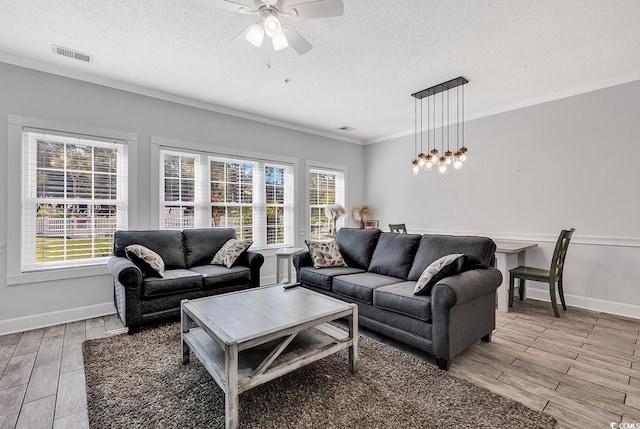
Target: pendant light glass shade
{"points": [[416, 167], [442, 167], [463, 156], [447, 157], [428, 165]]}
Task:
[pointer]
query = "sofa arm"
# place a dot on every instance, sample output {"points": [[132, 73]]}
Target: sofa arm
{"points": [[125, 272], [301, 259], [255, 261], [463, 309], [465, 286]]}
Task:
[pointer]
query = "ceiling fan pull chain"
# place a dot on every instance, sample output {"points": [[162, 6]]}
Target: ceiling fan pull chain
{"points": [[267, 48]]}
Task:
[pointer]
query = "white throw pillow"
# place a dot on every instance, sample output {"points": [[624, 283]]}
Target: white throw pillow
{"points": [[149, 262], [444, 267], [325, 254], [230, 252]]}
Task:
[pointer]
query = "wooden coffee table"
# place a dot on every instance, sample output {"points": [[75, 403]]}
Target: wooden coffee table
{"points": [[250, 337]]}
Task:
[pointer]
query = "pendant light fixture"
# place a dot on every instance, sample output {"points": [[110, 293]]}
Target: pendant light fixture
{"points": [[445, 157]]}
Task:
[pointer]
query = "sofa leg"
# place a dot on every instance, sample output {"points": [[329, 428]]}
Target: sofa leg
{"points": [[133, 330], [443, 364], [487, 338]]}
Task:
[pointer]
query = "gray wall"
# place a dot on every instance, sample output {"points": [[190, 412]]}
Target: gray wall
{"points": [[531, 172], [45, 96]]}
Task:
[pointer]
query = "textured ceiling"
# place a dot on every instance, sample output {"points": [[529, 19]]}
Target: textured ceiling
{"points": [[363, 67]]}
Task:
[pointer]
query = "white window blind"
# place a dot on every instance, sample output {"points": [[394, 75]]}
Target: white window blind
{"points": [[233, 197], [74, 198], [253, 196], [326, 187], [178, 190]]}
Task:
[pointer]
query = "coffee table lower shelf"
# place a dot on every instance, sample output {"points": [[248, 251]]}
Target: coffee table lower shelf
{"points": [[254, 365]]}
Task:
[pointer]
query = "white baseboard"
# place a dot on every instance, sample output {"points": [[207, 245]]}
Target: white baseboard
{"points": [[42, 320], [586, 303], [269, 280]]}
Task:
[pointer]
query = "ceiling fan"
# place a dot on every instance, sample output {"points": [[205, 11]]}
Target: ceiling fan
{"points": [[270, 11]]}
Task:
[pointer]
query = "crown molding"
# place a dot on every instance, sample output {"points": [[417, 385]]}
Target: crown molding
{"points": [[582, 89], [161, 95]]}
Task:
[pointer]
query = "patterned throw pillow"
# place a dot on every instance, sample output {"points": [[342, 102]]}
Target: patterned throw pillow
{"points": [[325, 254], [149, 262], [230, 252], [438, 270]]}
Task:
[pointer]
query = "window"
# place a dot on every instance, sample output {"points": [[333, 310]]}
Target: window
{"points": [[74, 198], [232, 196], [254, 197], [179, 191], [278, 213], [326, 187]]}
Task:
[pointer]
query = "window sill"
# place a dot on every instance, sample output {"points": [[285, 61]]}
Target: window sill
{"points": [[57, 274]]}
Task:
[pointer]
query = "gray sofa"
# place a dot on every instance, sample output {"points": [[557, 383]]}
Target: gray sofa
{"points": [[382, 271], [188, 274]]}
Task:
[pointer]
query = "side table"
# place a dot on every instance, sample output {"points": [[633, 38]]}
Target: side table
{"points": [[285, 253]]}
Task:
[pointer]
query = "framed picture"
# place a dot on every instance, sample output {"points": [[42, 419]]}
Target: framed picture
{"points": [[371, 224]]}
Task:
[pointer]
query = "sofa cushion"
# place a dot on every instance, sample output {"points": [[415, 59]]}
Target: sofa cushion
{"points": [[174, 281], [357, 245], [166, 243], [394, 254], [149, 262], [202, 244], [323, 278], [439, 269], [325, 254], [217, 276], [361, 286], [399, 298], [478, 251], [230, 252]]}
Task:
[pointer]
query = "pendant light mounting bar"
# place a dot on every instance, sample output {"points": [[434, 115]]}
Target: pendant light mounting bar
{"points": [[444, 86]]}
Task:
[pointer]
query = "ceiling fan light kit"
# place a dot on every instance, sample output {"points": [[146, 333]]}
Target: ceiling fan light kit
{"points": [[281, 36]]}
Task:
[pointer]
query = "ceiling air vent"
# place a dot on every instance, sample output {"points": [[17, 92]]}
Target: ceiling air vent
{"points": [[346, 128], [71, 53]]}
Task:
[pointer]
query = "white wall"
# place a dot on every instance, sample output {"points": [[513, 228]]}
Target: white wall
{"points": [[531, 172], [33, 94]]}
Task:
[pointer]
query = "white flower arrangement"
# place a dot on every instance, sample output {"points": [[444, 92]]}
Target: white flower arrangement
{"points": [[361, 214]]}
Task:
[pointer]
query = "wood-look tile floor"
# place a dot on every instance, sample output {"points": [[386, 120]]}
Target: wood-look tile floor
{"points": [[42, 382], [582, 368]]}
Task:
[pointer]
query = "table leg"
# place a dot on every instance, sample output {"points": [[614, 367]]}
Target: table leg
{"points": [[277, 269], [522, 263], [289, 269], [503, 290], [184, 323], [353, 334], [231, 393]]}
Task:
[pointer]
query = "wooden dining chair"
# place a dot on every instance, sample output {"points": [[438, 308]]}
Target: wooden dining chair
{"points": [[398, 228], [550, 276]]}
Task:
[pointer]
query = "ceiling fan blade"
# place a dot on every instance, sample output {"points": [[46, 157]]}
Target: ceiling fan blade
{"points": [[241, 6], [312, 9], [296, 41]]}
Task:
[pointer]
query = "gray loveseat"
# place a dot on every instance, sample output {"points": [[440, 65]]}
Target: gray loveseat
{"points": [[382, 271], [188, 274]]}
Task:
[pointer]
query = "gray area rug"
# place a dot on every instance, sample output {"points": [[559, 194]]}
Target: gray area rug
{"points": [[136, 381]]}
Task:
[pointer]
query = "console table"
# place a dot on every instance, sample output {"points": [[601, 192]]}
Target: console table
{"points": [[509, 254]]}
